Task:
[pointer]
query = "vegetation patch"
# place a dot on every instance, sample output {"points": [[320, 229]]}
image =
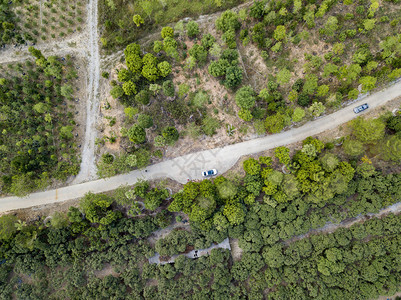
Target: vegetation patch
{"points": [[102, 246], [37, 123], [125, 22]]}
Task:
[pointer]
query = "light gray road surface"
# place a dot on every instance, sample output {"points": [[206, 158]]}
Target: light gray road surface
{"points": [[189, 166]]}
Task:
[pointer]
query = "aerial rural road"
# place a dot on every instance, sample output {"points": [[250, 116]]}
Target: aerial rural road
{"points": [[190, 166]]}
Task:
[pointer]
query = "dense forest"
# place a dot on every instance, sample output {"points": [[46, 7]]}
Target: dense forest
{"points": [[37, 143], [100, 249]]}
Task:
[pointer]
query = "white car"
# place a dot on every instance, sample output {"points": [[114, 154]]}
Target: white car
{"points": [[209, 173]]}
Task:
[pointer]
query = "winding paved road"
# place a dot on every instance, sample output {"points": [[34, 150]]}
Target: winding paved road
{"points": [[190, 166]]}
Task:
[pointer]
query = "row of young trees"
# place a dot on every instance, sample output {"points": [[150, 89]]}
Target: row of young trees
{"points": [[37, 140], [8, 30]]}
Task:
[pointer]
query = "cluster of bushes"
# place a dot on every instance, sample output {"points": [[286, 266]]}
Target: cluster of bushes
{"points": [[37, 140], [275, 27], [155, 105], [148, 15]]}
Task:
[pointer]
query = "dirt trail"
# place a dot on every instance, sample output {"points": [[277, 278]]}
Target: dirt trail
{"points": [[72, 45], [88, 166], [330, 227]]}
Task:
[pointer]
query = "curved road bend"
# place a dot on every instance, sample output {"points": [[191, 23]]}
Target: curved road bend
{"points": [[190, 166]]}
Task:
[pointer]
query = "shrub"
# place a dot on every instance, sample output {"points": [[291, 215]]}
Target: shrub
{"points": [[192, 29]]}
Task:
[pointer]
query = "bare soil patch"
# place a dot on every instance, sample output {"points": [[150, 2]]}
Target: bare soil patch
{"points": [[106, 271]]}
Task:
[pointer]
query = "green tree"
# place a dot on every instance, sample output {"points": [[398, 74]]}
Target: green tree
{"points": [[245, 97], [124, 75], [329, 162], [218, 68], [200, 99], [353, 147], [220, 222], [316, 109], [279, 33], [154, 198], [96, 208], [157, 46], [369, 24], [391, 149], [353, 94], [330, 69], [227, 189], [160, 141], [145, 121], [130, 112], [322, 90], [171, 134], [168, 88], [368, 130], [167, 32], [133, 62], [66, 91], [41, 107], [245, 114], [396, 73], [233, 76], [117, 92], [149, 69], [7, 226], [298, 114], [129, 88], [66, 132], [143, 97], [59, 220], [283, 76], [310, 85], [192, 29], [228, 20], [138, 20], [368, 83], [199, 53], [210, 125], [283, 155], [137, 134], [208, 41], [273, 256], [276, 123], [331, 25], [252, 166], [164, 68], [234, 213]]}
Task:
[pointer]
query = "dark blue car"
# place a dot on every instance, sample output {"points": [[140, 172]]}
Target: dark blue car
{"points": [[209, 173], [360, 108]]}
